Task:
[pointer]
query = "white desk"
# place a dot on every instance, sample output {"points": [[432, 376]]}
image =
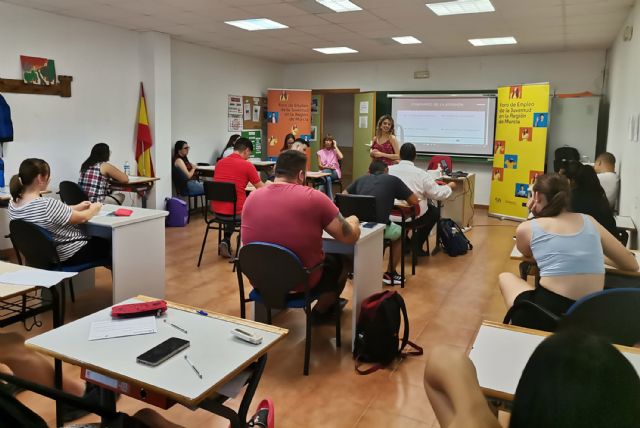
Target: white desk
{"points": [[367, 265], [500, 353], [217, 355], [138, 250], [460, 205]]}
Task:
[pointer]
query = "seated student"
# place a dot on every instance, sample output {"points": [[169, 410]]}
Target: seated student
{"points": [[289, 139], [53, 215], [228, 149], [386, 188], [567, 247], [571, 380], [292, 215], [329, 158], [238, 170], [96, 173], [425, 188], [605, 167], [181, 162], [588, 196]]}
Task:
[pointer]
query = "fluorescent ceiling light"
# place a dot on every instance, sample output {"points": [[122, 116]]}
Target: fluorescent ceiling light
{"points": [[339, 5], [406, 40], [493, 41], [256, 24], [334, 51], [459, 7]]}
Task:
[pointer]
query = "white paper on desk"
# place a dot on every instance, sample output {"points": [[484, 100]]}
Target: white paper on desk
{"points": [[105, 211], [35, 277], [122, 327]]}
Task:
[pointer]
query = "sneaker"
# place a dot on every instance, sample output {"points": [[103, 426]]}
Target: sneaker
{"points": [[224, 249], [264, 416], [391, 278]]}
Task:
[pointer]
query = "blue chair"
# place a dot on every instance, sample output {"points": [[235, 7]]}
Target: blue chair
{"points": [[612, 314], [39, 250], [274, 271]]}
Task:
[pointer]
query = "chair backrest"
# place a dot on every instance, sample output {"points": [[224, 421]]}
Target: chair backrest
{"points": [[563, 155], [612, 314], [531, 315], [220, 191], [34, 243], [362, 206], [71, 193], [273, 270], [435, 161], [179, 179]]}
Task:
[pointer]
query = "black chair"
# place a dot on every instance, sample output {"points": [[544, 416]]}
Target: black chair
{"points": [[221, 192], [612, 314], [18, 414], [363, 207], [338, 181], [564, 155], [71, 193], [180, 182], [274, 271], [39, 250]]}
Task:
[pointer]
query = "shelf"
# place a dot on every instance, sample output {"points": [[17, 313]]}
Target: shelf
{"points": [[17, 86]]}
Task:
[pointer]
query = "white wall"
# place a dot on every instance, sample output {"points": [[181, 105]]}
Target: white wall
{"points": [[104, 63], [566, 71], [202, 78], [623, 90]]}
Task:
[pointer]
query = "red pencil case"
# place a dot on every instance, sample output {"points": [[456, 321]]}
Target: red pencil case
{"points": [[123, 212], [155, 307]]}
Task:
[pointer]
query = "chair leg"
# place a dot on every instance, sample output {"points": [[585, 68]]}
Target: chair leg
{"points": [[71, 291], [338, 321], [307, 342], [268, 315], [204, 241], [237, 250]]}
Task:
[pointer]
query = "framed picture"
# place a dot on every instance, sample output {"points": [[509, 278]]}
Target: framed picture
{"points": [[314, 133], [38, 71]]}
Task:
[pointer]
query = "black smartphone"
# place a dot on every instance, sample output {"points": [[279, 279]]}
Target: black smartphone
{"points": [[369, 224], [445, 167], [162, 352]]}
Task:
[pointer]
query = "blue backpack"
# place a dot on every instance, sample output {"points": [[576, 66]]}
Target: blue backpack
{"points": [[452, 238], [178, 212]]}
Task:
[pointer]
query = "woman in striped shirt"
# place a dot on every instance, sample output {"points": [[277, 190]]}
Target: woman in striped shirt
{"points": [[59, 219]]}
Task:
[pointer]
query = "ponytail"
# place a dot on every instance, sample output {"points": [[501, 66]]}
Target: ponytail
{"points": [[29, 170], [556, 190]]}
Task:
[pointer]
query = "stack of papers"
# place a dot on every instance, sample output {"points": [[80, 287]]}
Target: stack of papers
{"points": [[109, 329], [34, 277]]}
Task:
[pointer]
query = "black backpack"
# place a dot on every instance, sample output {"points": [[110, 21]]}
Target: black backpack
{"points": [[377, 331], [452, 238]]}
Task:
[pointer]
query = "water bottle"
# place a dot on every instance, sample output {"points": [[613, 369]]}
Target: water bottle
{"points": [[127, 168], [1, 173]]}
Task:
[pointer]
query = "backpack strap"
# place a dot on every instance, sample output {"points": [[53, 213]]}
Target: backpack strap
{"points": [[405, 338], [370, 370]]}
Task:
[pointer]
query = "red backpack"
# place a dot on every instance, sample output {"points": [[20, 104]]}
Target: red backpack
{"points": [[378, 331]]}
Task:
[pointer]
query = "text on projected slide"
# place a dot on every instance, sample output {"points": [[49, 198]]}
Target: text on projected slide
{"points": [[443, 127]]}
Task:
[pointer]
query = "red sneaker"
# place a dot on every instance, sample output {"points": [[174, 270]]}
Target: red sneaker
{"points": [[264, 416]]}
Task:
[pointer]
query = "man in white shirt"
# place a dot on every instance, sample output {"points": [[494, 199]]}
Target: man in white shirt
{"points": [[426, 188], [605, 167]]}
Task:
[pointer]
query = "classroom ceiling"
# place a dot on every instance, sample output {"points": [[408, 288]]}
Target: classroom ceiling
{"points": [[538, 25]]}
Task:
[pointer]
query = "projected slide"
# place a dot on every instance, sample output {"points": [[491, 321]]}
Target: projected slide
{"points": [[458, 126]]}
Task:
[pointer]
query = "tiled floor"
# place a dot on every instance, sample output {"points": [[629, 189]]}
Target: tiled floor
{"points": [[446, 301]]}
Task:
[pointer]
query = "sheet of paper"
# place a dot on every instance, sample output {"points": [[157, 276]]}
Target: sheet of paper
{"points": [[255, 117], [32, 277], [122, 327], [363, 122], [364, 107]]}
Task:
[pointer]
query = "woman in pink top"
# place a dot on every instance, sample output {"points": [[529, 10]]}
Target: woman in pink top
{"points": [[385, 145], [329, 158]]}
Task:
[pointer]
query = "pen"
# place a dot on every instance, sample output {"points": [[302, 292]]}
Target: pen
{"points": [[192, 366], [175, 326], [201, 312]]}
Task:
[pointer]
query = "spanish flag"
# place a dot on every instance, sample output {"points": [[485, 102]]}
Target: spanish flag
{"points": [[143, 140]]}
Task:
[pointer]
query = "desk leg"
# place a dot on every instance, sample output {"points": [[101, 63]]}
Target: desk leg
{"points": [[403, 229], [138, 252], [58, 318], [367, 274]]}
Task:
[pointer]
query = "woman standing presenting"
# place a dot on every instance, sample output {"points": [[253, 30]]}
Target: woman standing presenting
{"points": [[385, 145]]}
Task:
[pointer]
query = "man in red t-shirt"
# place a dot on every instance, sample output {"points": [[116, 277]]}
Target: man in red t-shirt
{"points": [[292, 215], [235, 169]]}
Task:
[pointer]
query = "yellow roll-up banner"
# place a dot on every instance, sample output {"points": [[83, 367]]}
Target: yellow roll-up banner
{"points": [[520, 143]]}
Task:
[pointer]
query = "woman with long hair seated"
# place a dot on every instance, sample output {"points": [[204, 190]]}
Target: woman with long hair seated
{"points": [[571, 380], [60, 220], [96, 173], [182, 164], [567, 247]]}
